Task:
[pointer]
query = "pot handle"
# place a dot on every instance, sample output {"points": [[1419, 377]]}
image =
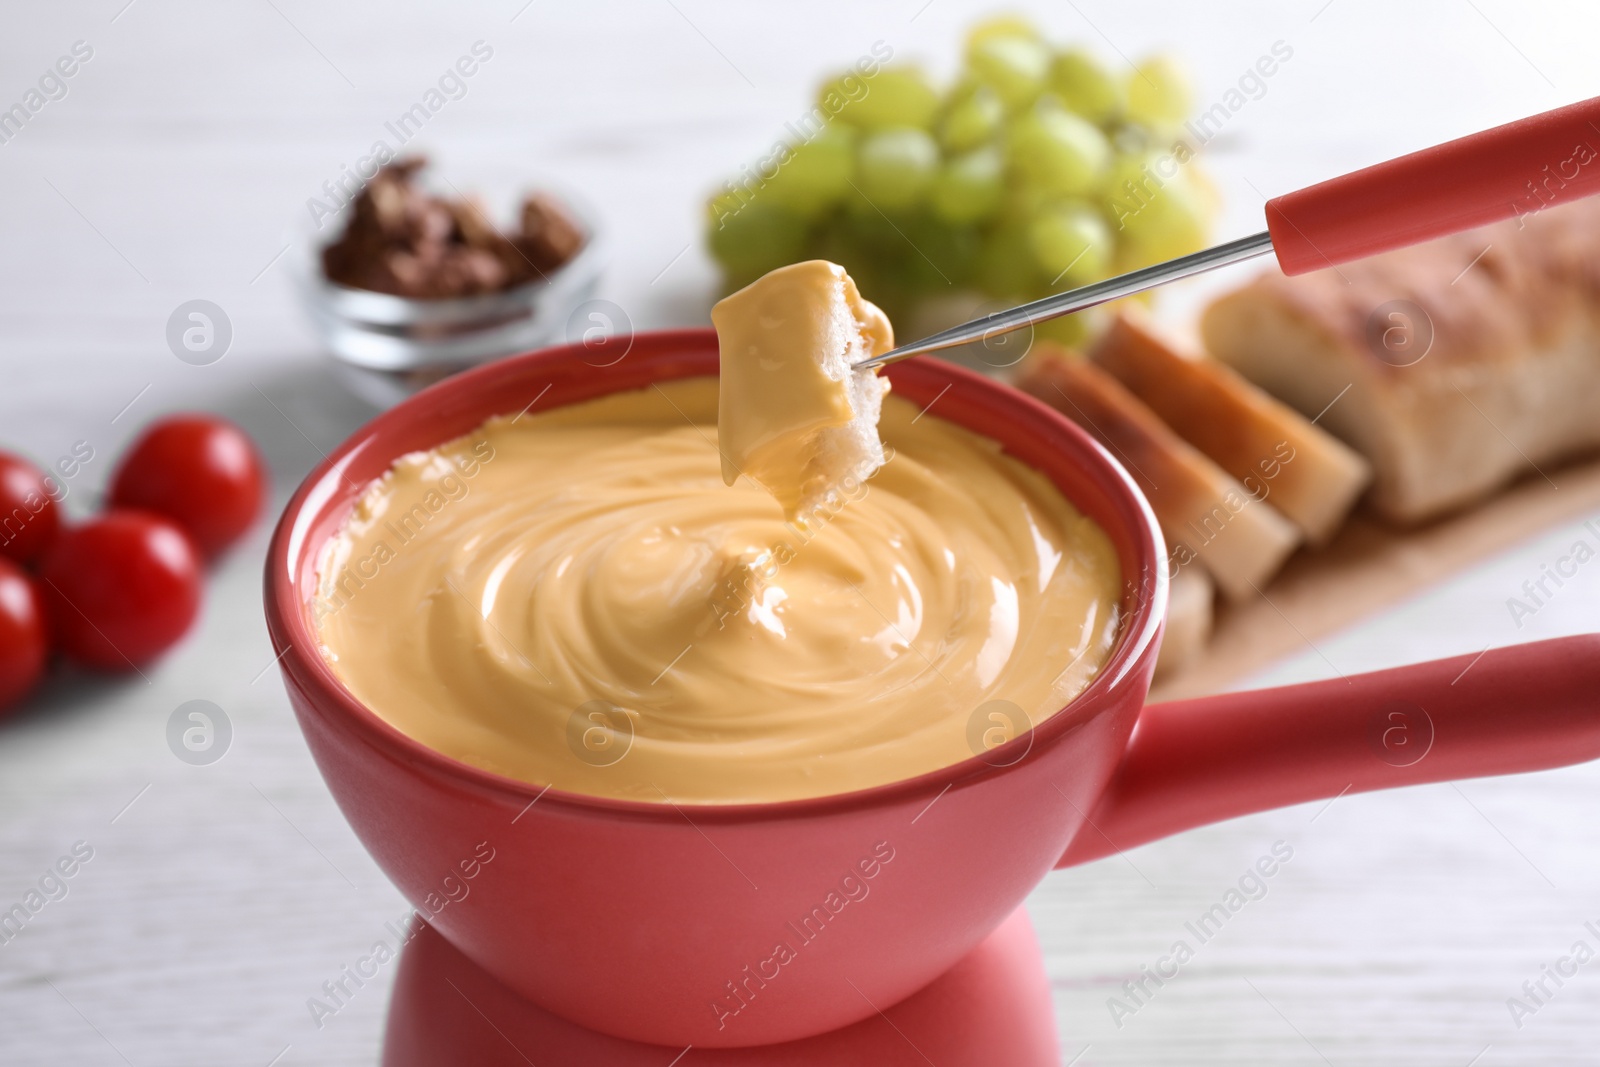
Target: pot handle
{"points": [[1193, 762]]}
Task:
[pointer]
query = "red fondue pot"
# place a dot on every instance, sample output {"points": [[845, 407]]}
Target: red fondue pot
{"points": [[750, 924]]}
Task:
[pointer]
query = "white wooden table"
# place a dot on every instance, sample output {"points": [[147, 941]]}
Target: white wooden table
{"points": [[219, 898]]}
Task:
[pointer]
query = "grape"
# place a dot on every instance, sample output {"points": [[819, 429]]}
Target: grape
{"points": [[895, 168], [868, 223], [895, 96], [969, 188], [1005, 267], [972, 120], [817, 173], [1056, 152], [1072, 244], [1001, 26], [722, 207], [878, 274], [841, 242], [1157, 218], [942, 256], [867, 234], [1147, 191], [1038, 170], [1086, 87], [753, 237], [1014, 67], [1023, 202], [1132, 180], [1158, 92]]}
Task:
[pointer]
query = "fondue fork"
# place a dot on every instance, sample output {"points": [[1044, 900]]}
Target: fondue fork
{"points": [[1509, 171]]}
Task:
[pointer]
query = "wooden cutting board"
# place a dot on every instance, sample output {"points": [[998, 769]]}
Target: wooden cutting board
{"points": [[1369, 567]]}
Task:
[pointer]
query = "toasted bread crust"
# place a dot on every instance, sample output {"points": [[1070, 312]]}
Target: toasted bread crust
{"points": [[1273, 450], [1205, 514]]}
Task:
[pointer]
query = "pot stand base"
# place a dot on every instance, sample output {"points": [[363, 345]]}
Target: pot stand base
{"points": [[992, 1007]]}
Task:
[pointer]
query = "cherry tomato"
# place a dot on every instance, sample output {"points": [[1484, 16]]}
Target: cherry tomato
{"points": [[120, 589], [198, 470], [23, 648], [29, 517]]}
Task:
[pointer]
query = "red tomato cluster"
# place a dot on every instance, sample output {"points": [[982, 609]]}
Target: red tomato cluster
{"points": [[115, 592]]}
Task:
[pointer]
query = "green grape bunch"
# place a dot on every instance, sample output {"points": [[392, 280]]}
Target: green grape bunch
{"points": [[1038, 169]]}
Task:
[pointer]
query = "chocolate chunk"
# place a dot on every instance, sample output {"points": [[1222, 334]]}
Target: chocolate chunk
{"points": [[550, 237], [403, 241]]}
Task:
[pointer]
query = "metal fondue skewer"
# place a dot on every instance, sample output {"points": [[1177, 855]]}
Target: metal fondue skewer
{"points": [[1471, 181]]}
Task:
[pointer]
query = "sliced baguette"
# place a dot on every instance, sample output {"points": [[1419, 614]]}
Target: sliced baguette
{"points": [[1205, 514], [1274, 451]]}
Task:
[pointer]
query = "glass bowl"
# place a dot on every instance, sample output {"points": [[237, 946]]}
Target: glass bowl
{"points": [[388, 347]]}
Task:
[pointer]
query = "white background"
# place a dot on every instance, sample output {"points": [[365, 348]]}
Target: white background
{"points": [[179, 166]]}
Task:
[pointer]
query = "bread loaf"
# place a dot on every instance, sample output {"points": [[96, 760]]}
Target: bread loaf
{"points": [[1455, 366]]}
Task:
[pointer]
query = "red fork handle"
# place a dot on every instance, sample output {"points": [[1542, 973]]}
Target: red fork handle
{"points": [[1194, 762], [1511, 170]]}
